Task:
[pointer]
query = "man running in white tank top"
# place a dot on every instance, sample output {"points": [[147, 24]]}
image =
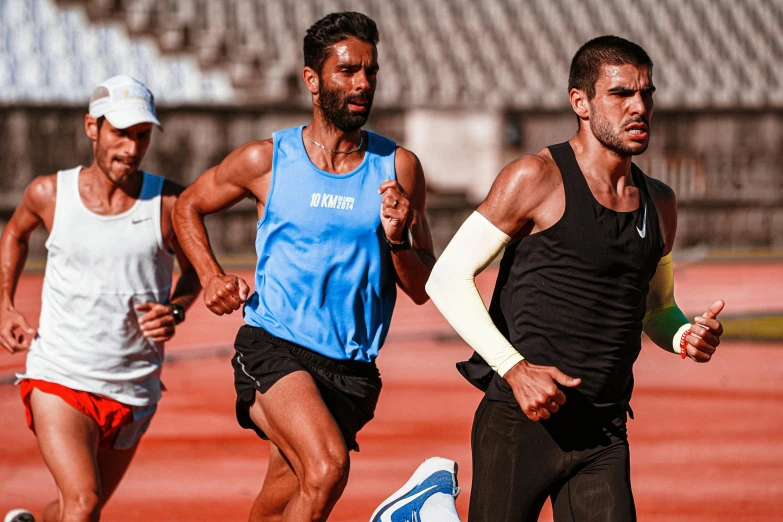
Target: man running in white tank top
{"points": [[92, 381]]}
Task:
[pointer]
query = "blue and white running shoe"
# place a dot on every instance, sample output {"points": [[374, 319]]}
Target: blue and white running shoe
{"points": [[19, 515], [428, 496]]}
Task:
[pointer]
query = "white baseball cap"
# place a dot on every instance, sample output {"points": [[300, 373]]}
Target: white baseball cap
{"points": [[124, 101]]}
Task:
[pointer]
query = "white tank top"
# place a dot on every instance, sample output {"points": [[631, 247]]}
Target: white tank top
{"points": [[97, 269]]}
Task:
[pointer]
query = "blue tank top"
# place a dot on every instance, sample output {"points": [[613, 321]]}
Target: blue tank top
{"points": [[324, 278]]}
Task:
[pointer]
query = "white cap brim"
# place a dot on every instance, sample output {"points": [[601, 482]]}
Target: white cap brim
{"points": [[130, 116]]}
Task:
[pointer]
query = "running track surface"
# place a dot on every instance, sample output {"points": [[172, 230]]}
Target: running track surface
{"points": [[707, 442]]}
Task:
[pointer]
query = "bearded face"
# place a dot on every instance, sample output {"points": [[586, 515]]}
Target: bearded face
{"points": [[346, 111], [118, 152], [622, 107], [616, 139], [345, 84]]}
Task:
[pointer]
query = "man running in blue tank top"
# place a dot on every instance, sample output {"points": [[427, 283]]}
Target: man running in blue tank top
{"points": [[340, 224]]}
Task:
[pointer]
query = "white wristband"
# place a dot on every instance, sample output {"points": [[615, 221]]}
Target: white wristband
{"points": [[676, 339]]}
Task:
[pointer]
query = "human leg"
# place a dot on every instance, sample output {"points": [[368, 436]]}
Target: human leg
{"points": [[295, 418], [600, 491], [112, 465], [119, 428], [68, 440], [280, 484], [119, 444], [515, 464]]}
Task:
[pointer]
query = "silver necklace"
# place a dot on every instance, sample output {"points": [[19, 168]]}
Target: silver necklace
{"points": [[357, 149]]}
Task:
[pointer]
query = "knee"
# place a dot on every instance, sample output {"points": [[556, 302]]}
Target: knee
{"points": [[326, 476], [81, 505]]}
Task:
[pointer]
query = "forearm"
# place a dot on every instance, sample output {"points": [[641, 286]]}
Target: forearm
{"points": [[413, 268], [452, 288], [192, 236], [13, 255], [187, 289], [665, 328], [664, 323]]}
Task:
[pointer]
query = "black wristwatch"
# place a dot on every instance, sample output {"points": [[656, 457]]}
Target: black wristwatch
{"points": [[405, 244], [178, 312]]}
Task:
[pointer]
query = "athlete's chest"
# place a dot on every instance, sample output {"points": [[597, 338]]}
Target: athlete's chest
{"points": [[324, 205], [111, 243], [610, 246]]}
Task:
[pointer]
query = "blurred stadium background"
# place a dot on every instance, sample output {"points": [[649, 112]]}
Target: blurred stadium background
{"points": [[466, 85]]}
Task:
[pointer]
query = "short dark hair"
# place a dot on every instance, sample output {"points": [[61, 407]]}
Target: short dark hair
{"points": [[604, 50], [334, 28]]}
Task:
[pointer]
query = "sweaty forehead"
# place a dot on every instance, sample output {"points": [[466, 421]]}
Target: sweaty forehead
{"points": [[351, 50], [625, 75]]}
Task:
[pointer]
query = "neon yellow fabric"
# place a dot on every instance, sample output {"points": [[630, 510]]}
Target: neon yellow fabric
{"points": [[664, 322]]}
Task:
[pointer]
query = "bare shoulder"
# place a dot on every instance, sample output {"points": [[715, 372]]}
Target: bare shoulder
{"points": [[533, 174], [666, 204], [245, 172], [410, 173], [41, 192], [248, 161], [258, 152], [523, 193], [405, 161], [661, 193], [664, 198]]}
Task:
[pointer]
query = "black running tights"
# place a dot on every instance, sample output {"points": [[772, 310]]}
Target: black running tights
{"points": [[518, 464]]}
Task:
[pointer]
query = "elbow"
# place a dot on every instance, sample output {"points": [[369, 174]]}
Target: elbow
{"points": [[429, 286], [420, 298], [182, 212], [417, 293], [180, 209], [176, 214], [433, 285]]}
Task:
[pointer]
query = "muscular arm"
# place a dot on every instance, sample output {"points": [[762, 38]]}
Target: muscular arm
{"points": [[520, 201], [412, 266], [188, 285], [37, 205], [664, 323], [524, 198], [452, 285], [158, 322], [245, 172], [217, 189]]}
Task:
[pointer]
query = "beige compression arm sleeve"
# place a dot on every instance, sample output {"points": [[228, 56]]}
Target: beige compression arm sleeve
{"points": [[452, 287]]}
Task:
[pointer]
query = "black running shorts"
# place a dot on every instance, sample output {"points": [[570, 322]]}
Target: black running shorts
{"points": [[350, 389]]}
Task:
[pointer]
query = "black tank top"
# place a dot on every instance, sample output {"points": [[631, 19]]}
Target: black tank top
{"points": [[574, 295]]}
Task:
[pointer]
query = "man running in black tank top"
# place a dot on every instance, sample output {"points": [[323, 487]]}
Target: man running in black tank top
{"points": [[587, 268]]}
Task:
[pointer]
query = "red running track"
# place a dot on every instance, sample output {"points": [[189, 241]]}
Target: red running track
{"points": [[707, 443]]}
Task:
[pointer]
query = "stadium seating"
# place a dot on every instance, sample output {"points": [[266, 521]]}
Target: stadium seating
{"points": [[53, 55], [493, 71], [435, 53]]}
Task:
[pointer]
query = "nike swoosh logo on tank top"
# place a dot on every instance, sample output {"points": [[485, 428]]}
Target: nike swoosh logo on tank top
{"points": [[643, 231]]}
